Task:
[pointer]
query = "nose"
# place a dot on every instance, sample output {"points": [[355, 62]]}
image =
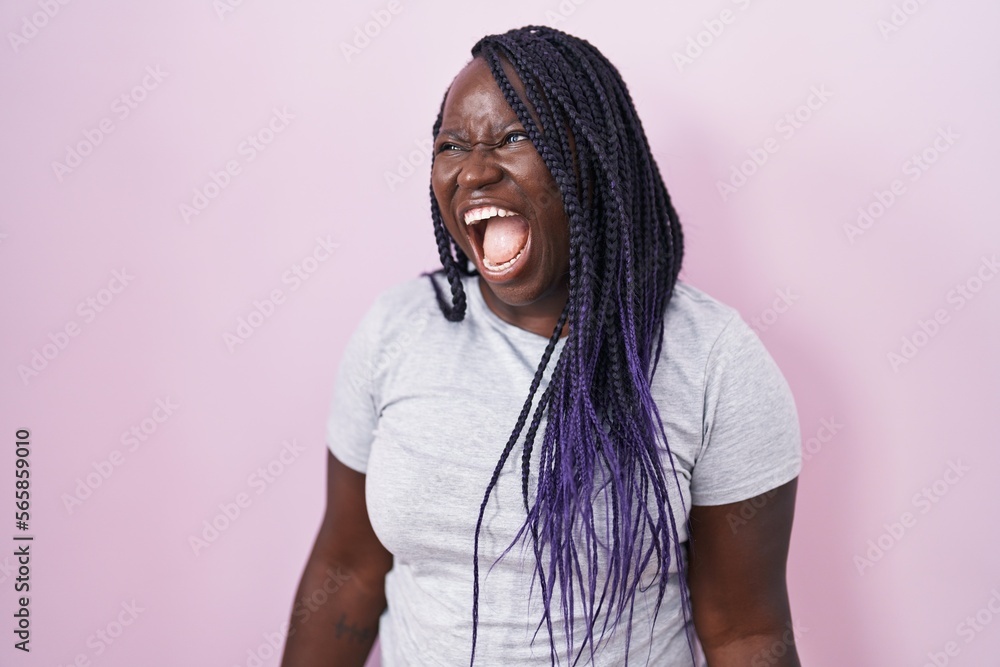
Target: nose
{"points": [[479, 168]]}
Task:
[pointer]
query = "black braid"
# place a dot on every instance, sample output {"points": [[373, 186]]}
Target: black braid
{"points": [[454, 266], [625, 256]]}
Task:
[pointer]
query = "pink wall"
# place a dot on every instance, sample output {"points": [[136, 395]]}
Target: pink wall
{"points": [[161, 96]]}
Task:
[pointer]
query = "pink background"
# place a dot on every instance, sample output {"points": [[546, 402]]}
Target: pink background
{"points": [[853, 298]]}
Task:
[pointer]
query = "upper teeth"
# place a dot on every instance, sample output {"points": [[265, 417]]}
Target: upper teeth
{"points": [[484, 212]]}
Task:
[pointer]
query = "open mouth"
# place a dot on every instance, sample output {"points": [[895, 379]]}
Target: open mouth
{"points": [[499, 236]]}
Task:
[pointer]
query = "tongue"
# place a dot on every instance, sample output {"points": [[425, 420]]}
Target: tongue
{"points": [[504, 238]]}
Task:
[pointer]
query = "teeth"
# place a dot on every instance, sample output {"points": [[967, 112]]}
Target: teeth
{"points": [[486, 212], [501, 267]]}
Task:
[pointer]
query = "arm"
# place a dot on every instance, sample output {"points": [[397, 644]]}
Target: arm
{"points": [[342, 591], [736, 575]]}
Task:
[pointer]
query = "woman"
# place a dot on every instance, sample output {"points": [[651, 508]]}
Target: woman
{"points": [[469, 523]]}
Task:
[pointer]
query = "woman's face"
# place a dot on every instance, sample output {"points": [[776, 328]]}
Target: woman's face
{"points": [[485, 160]]}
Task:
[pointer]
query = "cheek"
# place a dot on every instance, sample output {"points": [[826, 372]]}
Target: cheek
{"points": [[440, 190]]}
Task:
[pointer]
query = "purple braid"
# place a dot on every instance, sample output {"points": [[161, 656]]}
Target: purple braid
{"points": [[604, 436]]}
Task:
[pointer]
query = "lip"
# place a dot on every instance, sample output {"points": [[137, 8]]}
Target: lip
{"points": [[475, 237]]}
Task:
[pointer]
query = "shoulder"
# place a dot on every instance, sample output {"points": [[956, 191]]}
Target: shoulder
{"points": [[415, 291], [395, 303], [695, 320], [711, 331], [708, 344], [397, 313]]}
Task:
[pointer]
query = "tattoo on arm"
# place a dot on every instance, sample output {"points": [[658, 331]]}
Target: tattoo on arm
{"points": [[354, 633]]}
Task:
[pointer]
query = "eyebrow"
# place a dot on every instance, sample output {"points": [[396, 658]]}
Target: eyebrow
{"points": [[458, 135]]}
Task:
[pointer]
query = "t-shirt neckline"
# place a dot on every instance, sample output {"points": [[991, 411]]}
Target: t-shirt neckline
{"points": [[480, 309]]}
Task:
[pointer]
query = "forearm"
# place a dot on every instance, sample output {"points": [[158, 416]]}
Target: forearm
{"points": [[335, 617], [767, 649]]}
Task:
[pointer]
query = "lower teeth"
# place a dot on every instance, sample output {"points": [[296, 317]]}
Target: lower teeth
{"points": [[501, 267]]}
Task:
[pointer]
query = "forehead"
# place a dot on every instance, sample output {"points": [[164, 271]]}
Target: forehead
{"points": [[475, 97], [475, 94]]}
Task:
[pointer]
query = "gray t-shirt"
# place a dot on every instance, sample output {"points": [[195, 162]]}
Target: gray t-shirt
{"points": [[424, 407]]}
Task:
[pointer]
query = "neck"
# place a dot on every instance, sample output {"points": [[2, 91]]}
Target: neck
{"points": [[539, 317]]}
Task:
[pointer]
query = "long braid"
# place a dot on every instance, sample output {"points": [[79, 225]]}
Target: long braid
{"points": [[604, 437], [454, 266], [563, 180]]}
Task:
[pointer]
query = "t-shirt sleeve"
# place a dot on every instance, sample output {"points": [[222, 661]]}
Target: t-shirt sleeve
{"points": [[751, 441], [352, 416]]}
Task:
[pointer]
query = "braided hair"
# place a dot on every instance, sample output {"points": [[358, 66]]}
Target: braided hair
{"points": [[603, 425]]}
